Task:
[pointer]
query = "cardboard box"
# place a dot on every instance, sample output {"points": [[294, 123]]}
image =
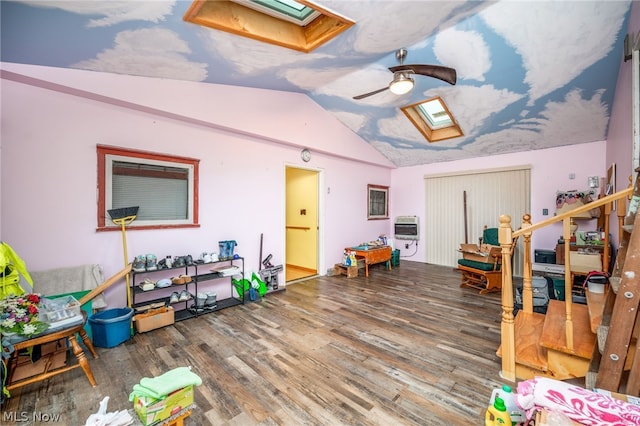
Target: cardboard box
{"points": [[484, 253], [154, 318], [151, 410], [584, 262]]}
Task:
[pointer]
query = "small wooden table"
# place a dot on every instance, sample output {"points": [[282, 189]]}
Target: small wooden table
{"points": [[372, 256], [67, 333]]}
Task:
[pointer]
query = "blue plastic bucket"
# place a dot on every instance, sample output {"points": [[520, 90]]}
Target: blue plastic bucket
{"points": [[111, 327]]}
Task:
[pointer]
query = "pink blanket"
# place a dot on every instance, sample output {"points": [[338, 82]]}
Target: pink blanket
{"points": [[580, 405]]}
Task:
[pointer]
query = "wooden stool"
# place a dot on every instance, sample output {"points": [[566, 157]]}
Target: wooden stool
{"points": [[349, 271]]}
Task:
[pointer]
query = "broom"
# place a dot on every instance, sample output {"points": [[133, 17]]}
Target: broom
{"points": [[123, 217]]}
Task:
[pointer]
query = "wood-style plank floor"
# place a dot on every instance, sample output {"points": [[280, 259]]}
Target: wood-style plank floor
{"points": [[402, 347]]}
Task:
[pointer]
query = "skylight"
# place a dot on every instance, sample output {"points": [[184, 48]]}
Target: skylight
{"points": [[433, 119], [288, 10], [299, 25]]}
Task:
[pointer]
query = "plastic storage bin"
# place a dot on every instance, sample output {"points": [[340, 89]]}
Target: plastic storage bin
{"points": [[111, 327], [558, 288], [395, 257], [545, 256]]}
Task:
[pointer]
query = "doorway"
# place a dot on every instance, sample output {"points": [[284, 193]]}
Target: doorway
{"points": [[301, 223]]}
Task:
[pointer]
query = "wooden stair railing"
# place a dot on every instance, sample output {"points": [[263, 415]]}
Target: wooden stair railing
{"points": [[506, 234]]}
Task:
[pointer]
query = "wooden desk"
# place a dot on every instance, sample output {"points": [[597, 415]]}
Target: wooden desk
{"points": [[68, 333], [372, 256]]}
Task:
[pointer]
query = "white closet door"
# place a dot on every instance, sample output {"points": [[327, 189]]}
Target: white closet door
{"points": [[489, 194]]}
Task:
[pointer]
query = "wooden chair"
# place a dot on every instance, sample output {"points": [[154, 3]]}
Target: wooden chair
{"points": [[485, 276]]}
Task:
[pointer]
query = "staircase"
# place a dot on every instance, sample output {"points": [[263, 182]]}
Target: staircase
{"points": [[597, 341]]}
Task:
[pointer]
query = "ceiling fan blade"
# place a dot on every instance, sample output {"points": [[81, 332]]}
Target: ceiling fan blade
{"points": [[375, 92], [436, 71]]}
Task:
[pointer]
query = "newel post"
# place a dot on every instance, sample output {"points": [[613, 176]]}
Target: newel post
{"points": [[507, 327], [527, 288]]}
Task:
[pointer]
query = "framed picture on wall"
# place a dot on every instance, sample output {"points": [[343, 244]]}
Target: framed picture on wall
{"points": [[377, 202]]}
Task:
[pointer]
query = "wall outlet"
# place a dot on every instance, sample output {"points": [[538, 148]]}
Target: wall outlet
{"points": [[545, 212], [406, 245]]}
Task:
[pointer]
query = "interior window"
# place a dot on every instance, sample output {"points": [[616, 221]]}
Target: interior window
{"points": [[164, 187]]}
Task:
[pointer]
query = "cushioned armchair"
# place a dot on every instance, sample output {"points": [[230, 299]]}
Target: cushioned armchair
{"points": [[485, 276]]}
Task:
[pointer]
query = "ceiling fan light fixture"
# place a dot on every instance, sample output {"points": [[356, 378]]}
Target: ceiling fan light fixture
{"points": [[401, 84]]}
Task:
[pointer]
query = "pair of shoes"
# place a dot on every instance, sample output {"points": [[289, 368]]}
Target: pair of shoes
{"points": [[184, 296], [182, 279], [174, 298], [139, 263], [179, 262], [152, 262], [147, 285], [165, 282], [144, 263]]}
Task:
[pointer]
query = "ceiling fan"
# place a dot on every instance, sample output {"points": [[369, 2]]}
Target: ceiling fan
{"points": [[402, 82]]}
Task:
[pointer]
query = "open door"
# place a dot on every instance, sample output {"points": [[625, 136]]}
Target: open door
{"points": [[302, 219]]}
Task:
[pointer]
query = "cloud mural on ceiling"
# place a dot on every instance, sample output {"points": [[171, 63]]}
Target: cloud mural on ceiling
{"points": [[531, 75]]}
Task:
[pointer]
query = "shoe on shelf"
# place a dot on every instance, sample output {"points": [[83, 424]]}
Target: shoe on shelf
{"points": [[152, 262], [139, 264], [165, 282], [188, 260], [174, 298], [147, 285], [182, 279], [184, 296], [178, 262], [162, 264]]}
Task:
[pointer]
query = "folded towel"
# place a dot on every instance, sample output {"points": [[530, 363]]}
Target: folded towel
{"points": [[161, 386], [141, 391]]}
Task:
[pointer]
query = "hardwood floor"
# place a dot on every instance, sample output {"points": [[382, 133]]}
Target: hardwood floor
{"points": [[402, 347]]}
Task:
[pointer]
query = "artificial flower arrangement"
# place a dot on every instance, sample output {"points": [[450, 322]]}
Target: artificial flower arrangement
{"points": [[19, 315]]}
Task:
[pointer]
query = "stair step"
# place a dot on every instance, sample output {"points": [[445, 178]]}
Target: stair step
{"points": [[554, 330], [528, 329]]}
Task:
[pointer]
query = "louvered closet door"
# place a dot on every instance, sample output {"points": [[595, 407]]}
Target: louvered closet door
{"points": [[489, 194]]}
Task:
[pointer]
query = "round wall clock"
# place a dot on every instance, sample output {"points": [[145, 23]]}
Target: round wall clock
{"points": [[305, 154]]}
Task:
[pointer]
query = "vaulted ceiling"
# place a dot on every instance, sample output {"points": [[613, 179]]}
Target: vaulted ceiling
{"points": [[530, 74]]}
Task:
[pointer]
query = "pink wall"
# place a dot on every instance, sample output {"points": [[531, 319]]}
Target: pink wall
{"points": [[48, 178], [620, 137]]}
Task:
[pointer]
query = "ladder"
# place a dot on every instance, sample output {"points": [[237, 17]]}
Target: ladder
{"points": [[618, 351]]}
